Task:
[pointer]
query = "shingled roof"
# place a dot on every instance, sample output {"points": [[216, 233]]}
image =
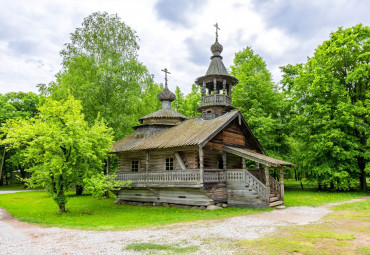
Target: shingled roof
{"points": [[194, 131], [163, 113]]}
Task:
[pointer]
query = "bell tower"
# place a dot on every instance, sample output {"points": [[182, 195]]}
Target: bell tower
{"points": [[216, 85]]}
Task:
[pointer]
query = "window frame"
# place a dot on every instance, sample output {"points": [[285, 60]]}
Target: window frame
{"points": [[132, 164], [173, 163]]}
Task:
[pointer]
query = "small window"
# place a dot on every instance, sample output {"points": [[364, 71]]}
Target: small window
{"points": [[169, 163], [135, 165]]}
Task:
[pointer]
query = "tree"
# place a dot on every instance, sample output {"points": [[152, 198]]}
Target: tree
{"points": [[188, 104], [100, 68], [331, 98], [59, 146], [260, 101], [15, 105]]}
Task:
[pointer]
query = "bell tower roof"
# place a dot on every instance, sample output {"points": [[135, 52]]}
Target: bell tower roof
{"points": [[216, 85]]}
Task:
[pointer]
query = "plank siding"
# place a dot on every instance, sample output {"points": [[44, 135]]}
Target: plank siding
{"points": [[157, 159]]}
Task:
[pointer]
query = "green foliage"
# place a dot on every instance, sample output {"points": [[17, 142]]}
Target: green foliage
{"points": [[329, 100], [87, 212], [260, 101], [175, 249], [100, 68], [99, 184], [14, 105], [58, 146], [188, 104]]}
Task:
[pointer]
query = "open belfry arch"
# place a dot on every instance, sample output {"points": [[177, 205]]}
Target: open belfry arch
{"points": [[198, 161]]}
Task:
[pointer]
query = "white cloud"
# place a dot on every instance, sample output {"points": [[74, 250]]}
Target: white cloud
{"points": [[282, 32]]}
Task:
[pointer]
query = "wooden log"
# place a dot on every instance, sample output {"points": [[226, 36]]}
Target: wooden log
{"points": [[182, 165], [201, 166], [267, 176], [282, 183]]}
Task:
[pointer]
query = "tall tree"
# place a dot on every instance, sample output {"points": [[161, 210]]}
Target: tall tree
{"points": [[15, 105], [100, 68], [260, 101], [331, 98], [188, 104], [59, 146]]}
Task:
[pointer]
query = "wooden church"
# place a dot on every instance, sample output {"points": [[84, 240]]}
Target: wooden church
{"points": [[199, 161]]}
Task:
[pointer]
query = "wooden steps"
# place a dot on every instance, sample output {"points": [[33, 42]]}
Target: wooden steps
{"points": [[273, 199], [276, 203]]}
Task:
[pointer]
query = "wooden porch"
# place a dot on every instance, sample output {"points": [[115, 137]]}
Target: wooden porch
{"points": [[249, 179]]}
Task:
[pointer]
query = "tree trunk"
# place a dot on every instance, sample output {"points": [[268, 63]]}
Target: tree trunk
{"points": [[2, 166], [62, 208], [361, 165], [79, 190]]}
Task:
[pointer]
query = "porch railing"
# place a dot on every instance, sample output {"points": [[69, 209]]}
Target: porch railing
{"points": [[210, 176]]}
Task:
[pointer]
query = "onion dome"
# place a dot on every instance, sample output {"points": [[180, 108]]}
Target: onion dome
{"points": [[166, 95], [216, 48]]}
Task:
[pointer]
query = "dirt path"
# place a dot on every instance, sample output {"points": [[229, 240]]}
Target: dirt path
{"points": [[22, 238]]}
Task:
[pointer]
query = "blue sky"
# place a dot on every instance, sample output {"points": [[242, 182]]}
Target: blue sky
{"points": [[173, 34]]}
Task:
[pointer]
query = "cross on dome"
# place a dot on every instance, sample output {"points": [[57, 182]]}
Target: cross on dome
{"points": [[217, 28], [165, 70]]}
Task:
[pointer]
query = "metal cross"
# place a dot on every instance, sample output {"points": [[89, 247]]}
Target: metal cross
{"points": [[165, 75], [217, 28]]}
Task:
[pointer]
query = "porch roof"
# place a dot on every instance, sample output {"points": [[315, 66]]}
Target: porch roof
{"points": [[257, 157]]}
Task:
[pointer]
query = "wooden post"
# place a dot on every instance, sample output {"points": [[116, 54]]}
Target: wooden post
{"points": [[282, 183], [146, 165], [224, 160], [267, 176], [201, 165], [244, 169]]}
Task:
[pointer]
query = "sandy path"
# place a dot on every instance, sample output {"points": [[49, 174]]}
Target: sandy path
{"points": [[22, 238]]}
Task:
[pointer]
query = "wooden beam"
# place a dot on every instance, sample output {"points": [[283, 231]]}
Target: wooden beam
{"points": [[182, 165], [267, 176], [224, 160], [243, 163], [201, 164], [146, 164], [282, 183]]}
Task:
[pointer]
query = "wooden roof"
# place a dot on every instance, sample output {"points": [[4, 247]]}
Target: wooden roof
{"points": [[163, 113], [194, 131], [257, 157]]}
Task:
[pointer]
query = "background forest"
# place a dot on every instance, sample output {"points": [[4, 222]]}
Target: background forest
{"points": [[317, 116]]}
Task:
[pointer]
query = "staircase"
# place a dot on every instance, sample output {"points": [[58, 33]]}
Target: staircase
{"points": [[246, 190], [274, 200]]}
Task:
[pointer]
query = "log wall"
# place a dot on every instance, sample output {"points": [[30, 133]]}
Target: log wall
{"points": [[157, 159]]}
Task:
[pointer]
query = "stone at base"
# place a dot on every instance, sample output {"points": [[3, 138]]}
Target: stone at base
{"points": [[213, 207], [280, 207]]}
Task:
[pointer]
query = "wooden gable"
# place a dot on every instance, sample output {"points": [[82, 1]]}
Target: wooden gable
{"points": [[236, 134]]}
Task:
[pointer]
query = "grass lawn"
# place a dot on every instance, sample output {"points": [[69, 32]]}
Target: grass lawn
{"points": [[85, 212], [12, 187], [317, 198], [346, 231]]}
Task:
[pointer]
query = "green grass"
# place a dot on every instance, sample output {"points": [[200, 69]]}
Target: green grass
{"points": [[334, 235], [85, 212], [317, 198], [150, 247], [12, 187]]}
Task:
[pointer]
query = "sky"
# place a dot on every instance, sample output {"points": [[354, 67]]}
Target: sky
{"points": [[174, 34]]}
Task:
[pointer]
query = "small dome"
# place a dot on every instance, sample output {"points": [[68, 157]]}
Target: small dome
{"points": [[216, 47], [166, 95]]}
